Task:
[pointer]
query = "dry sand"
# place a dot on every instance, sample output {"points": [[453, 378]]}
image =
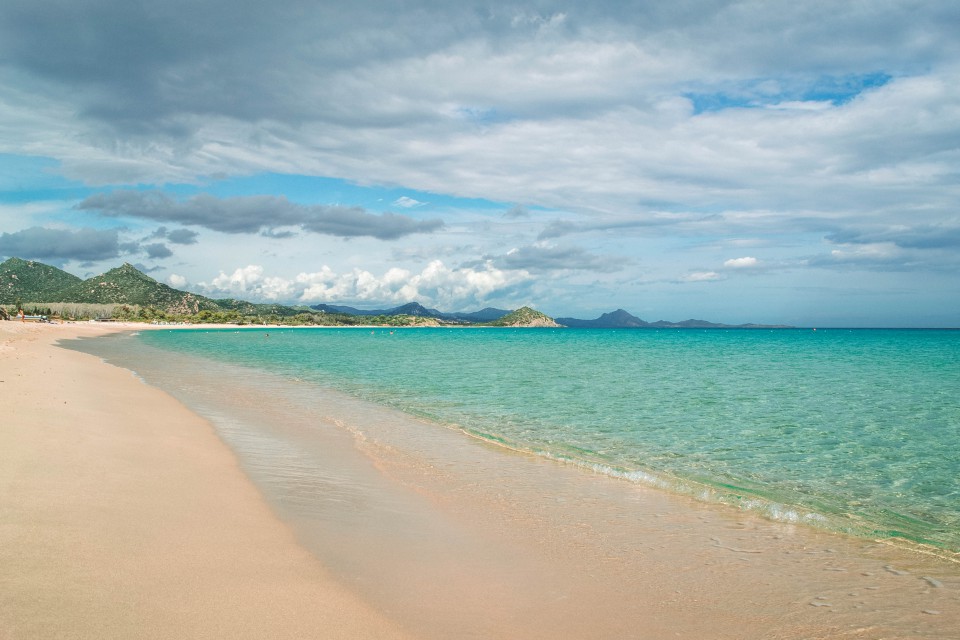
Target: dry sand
{"points": [[122, 515]]}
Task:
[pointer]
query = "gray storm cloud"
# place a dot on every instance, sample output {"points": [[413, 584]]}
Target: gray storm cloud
{"points": [[255, 214], [58, 245]]}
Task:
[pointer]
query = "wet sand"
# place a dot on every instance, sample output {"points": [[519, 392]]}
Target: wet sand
{"points": [[122, 515], [369, 523]]}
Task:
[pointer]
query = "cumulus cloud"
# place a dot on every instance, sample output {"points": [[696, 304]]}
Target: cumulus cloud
{"points": [[254, 214], [435, 284], [60, 245], [176, 281], [250, 281], [741, 263]]}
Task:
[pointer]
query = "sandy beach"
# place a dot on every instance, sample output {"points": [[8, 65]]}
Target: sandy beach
{"points": [[122, 515]]}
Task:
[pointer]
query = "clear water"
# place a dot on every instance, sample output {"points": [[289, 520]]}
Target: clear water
{"points": [[852, 430]]}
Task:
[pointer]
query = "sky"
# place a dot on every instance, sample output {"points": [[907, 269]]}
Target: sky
{"points": [[772, 161]]}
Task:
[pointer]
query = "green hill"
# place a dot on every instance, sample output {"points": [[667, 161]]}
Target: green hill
{"points": [[524, 317], [127, 285], [28, 281]]}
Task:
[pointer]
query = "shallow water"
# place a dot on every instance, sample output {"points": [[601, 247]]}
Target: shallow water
{"points": [[457, 537], [851, 430]]}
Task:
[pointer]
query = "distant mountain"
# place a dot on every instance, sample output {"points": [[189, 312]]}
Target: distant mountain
{"points": [[620, 319], [336, 308], [416, 309], [409, 309], [613, 320], [28, 281], [127, 285], [689, 324], [488, 314], [524, 317], [703, 324]]}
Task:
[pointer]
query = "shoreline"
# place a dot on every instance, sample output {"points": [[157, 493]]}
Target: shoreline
{"points": [[569, 568], [778, 508], [123, 515]]}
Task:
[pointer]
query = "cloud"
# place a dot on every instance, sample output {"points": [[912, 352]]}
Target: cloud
{"points": [[301, 62], [594, 112], [407, 203], [182, 236], [892, 248], [289, 90], [60, 245], [517, 211], [176, 281], [81, 245], [560, 228], [250, 280], [882, 256], [344, 222], [741, 263], [921, 236], [887, 257], [254, 214], [542, 257], [437, 284], [157, 250], [701, 276], [649, 222]]}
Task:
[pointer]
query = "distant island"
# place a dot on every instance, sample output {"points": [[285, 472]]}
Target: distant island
{"points": [[127, 294]]}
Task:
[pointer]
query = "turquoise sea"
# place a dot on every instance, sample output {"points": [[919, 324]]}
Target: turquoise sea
{"points": [[856, 431]]}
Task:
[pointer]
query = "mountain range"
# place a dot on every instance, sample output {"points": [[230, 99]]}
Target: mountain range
{"points": [[32, 282], [488, 314], [621, 319]]}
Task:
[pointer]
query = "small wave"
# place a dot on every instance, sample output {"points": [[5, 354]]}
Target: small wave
{"points": [[763, 507]]}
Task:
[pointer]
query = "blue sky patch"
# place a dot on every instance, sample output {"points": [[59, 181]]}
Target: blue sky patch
{"points": [[836, 90], [334, 191], [34, 178]]}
